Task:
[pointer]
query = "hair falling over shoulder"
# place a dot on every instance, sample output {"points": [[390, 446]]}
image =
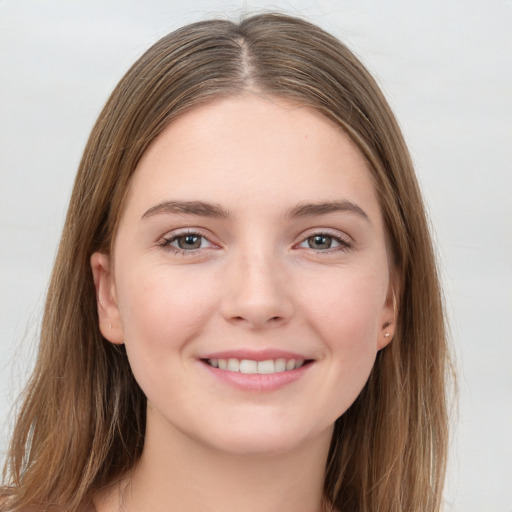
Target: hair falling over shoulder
{"points": [[81, 423]]}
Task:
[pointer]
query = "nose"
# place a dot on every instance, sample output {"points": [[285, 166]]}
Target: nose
{"points": [[258, 293]]}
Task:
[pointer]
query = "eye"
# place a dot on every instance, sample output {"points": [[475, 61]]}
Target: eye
{"points": [[325, 242], [186, 242], [320, 242]]}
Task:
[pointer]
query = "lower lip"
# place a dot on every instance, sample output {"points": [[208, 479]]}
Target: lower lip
{"points": [[257, 382]]}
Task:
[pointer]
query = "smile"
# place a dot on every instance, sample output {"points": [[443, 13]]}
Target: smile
{"points": [[250, 366]]}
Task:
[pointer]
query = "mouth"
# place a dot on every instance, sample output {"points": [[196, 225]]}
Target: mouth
{"points": [[252, 367]]}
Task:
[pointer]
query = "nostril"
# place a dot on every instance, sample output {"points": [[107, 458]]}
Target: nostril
{"points": [[257, 321]]}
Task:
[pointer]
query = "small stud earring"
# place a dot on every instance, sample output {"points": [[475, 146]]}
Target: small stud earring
{"points": [[386, 325]]}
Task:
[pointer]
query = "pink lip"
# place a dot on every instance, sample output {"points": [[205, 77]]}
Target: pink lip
{"points": [[254, 355], [256, 382]]}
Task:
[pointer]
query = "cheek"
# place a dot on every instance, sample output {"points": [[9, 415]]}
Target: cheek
{"points": [[345, 310], [347, 305], [344, 313], [161, 313], [161, 310]]}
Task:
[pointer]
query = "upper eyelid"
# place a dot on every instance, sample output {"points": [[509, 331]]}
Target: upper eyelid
{"points": [[345, 241], [173, 235], [335, 233]]}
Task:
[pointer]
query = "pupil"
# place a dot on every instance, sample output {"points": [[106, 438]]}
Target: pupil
{"points": [[320, 242], [189, 242]]}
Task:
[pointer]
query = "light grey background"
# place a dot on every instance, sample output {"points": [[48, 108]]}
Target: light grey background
{"points": [[446, 68]]}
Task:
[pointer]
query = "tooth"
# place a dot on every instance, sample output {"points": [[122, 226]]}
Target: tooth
{"points": [[233, 365], [290, 364], [248, 366], [266, 366], [280, 365]]}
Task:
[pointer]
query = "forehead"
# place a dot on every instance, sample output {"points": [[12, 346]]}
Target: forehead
{"points": [[251, 149]]}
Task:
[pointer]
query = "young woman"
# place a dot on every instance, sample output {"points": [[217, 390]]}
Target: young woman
{"points": [[244, 312]]}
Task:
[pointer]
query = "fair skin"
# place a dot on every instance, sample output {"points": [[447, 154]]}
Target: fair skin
{"points": [[252, 240]]}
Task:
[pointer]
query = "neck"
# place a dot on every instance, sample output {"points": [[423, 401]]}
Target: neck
{"points": [[182, 474]]}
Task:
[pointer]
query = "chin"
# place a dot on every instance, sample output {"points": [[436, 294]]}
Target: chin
{"points": [[267, 440]]}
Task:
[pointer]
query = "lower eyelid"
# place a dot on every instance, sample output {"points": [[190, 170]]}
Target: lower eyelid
{"points": [[168, 240], [343, 242]]}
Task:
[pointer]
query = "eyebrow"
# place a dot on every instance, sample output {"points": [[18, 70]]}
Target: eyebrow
{"points": [[204, 209], [313, 209], [189, 208]]}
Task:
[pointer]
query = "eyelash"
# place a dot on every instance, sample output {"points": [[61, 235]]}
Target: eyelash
{"points": [[344, 243], [166, 243]]}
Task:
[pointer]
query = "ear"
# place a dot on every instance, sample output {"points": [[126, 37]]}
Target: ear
{"points": [[389, 316], [111, 326]]}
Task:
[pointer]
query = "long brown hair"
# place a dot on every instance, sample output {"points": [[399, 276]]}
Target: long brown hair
{"points": [[82, 421]]}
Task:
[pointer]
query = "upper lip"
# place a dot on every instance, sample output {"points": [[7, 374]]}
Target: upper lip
{"points": [[255, 355]]}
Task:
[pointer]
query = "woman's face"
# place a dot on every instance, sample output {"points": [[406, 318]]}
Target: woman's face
{"points": [[249, 279]]}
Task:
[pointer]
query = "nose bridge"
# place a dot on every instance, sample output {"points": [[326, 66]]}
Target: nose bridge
{"points": [[257, 294]]}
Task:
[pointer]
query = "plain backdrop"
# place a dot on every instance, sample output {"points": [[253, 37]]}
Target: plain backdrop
{"points": [[446, 69]]}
